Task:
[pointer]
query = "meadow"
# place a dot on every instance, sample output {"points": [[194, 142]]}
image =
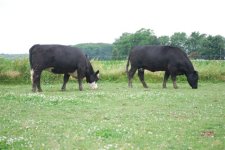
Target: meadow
{"points": [[113, 117]]}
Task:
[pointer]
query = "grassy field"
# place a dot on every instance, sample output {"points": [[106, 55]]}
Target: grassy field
{"points": [[113, 117]]}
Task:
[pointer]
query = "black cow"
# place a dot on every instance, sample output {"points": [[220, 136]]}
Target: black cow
{"points": [[61, 59], [170, 59]]}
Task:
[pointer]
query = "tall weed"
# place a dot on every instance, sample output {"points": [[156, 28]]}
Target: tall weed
{"points": [[18, 71]]}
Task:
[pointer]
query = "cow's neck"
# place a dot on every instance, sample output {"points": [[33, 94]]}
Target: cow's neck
{"points": [[89, 72], [188, 68], [188, 72]]}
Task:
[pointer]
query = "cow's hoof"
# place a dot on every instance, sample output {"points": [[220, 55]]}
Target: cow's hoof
{"points": [[40, 91]]}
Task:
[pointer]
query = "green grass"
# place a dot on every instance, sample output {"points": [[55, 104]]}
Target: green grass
{"points": [[18, 71], [113, 117]]}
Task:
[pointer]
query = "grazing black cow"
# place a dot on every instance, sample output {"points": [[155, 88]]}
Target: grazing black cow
{"points": [[172, 60], [60, 59]]}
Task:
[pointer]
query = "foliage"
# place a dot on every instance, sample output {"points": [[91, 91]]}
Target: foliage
{"points": [[214, 46], [164, 40], [178, 39], [196, 45], [113, 117], [101, 51], [195, 41], [123, 45]]}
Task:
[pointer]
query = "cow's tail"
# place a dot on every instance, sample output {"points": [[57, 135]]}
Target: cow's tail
{"points": [[127, 66], [30, 57], [31, 51]]}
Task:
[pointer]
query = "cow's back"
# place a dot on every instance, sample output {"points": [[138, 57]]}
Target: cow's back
{"points": [[157, 58], [56, 56]]}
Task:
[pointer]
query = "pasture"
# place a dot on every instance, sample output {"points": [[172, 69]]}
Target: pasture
{"points": [[113, 116]]}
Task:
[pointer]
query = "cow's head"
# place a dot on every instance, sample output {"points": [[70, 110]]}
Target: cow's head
{"points": [[92, 80], [193, 79]]}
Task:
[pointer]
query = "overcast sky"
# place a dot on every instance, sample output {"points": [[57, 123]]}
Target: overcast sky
{"points": [[27, 22]]}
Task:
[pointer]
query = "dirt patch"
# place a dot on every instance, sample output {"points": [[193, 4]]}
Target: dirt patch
{"points": [[207, 134]]}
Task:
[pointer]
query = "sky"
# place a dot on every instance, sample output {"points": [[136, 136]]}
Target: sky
{"points": [[24, 23]]}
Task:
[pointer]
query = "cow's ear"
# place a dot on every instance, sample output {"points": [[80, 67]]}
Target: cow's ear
{"points": [[196, 72]]}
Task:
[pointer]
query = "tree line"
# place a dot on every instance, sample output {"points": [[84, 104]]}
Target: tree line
{"points": [[196, 45]]}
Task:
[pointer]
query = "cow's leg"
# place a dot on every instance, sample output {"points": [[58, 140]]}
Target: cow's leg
{"points": [[36, 81], [39, 82], [65, 80], [173, 77], [32, 76], [141, 77], [79, 77], [130, 75], [166, 76], [80, 84]]}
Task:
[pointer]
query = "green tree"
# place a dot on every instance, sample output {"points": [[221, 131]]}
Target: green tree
{"points": [[97, 50], [164, 40], [179, 39], [145, 37], [194, 44], [123, 45], [213, 47]]}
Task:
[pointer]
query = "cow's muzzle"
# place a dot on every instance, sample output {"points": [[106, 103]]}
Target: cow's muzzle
{"points": [[93, 85]]}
